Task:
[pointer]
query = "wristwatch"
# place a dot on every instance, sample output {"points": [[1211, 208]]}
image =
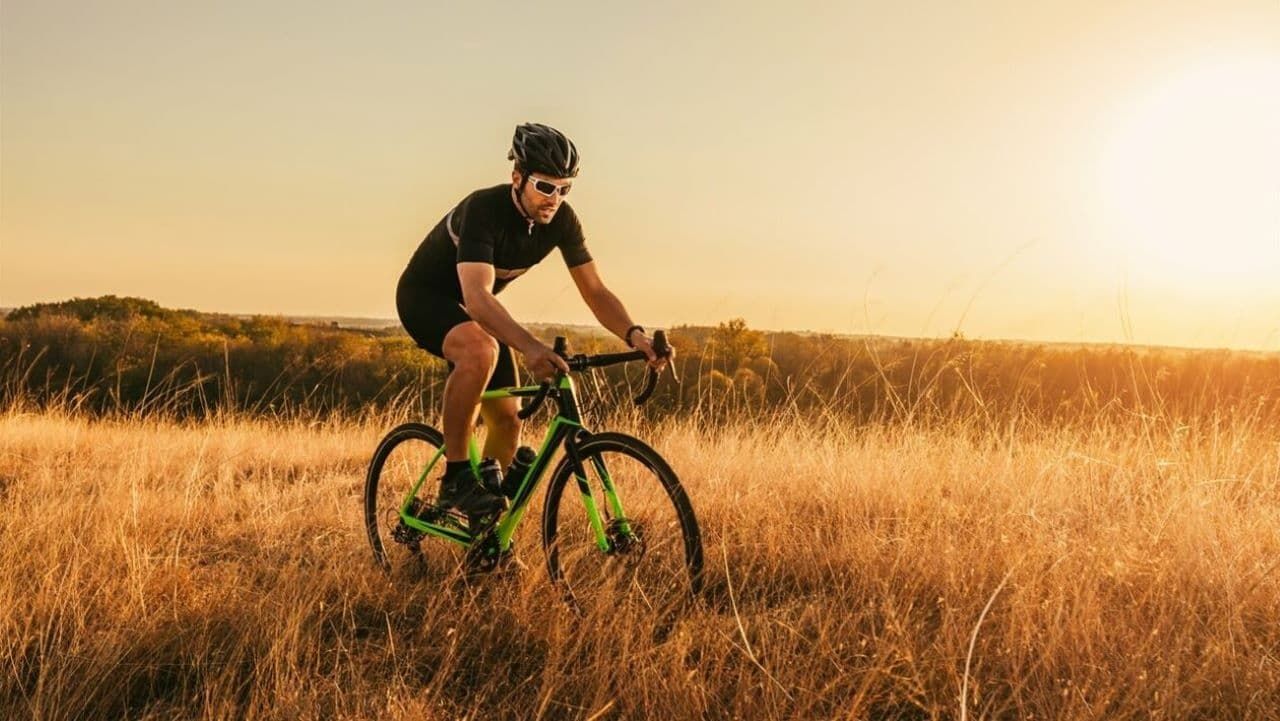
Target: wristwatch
{"points": [[627, 337]]}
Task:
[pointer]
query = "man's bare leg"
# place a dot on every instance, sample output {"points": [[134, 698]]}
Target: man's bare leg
{"points": [[503, 429], [474, 354]]}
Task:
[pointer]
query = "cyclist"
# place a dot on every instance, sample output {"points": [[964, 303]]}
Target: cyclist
{"points": [[446, 299]]}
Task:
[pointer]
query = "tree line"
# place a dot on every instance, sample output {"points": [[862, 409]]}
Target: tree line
{"points": [[130, 355]]}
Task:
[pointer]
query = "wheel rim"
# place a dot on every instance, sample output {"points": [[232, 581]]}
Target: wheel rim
{"points": [[402, 463], [648, 561]]}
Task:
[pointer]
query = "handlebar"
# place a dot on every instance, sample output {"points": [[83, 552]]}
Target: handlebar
{"points": [[544, 389], [663, 350], [581, 362], [536, 402]]}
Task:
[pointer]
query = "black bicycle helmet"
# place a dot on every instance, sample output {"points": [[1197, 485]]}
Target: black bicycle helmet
{"points": [[539, 148]]}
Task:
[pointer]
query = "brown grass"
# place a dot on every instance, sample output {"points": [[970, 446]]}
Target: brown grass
{"points": [[153, 569]]}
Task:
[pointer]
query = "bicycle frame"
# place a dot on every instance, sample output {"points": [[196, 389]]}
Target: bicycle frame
{"points": [[564, 429]]}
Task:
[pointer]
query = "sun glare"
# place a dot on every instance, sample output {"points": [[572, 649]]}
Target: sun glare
{"points": [[1191, 178]]}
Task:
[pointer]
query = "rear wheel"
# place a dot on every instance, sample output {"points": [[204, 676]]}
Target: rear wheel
{"points": [[654, 547], [399, 461]]}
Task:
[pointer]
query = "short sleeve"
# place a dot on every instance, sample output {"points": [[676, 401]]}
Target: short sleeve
{"points": [[573, 243], [476, 233]]}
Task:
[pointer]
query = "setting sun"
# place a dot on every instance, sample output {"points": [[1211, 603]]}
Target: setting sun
{"points": [[1191, 177]]}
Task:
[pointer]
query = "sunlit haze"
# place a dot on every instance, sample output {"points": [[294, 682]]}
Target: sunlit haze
{"points": [[1082, 171]]}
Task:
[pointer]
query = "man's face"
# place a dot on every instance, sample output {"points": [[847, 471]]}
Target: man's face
{"points": [[540, 206]]}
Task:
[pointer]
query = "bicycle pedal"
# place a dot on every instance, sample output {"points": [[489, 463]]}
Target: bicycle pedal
{"points": [[504, 564], [485, 558]]}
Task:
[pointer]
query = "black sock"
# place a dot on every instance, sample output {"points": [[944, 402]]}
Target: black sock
{"points": [[452, 467]]}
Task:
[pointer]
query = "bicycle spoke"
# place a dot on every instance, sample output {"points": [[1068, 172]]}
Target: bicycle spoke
{"points": [[399, 466], [648, 531]]}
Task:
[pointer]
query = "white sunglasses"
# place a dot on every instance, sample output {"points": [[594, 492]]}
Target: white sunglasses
{"points": [[548, 188]]}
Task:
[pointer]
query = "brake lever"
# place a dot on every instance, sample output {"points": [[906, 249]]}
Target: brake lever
{"points": [[664, 349], [661, 348]]}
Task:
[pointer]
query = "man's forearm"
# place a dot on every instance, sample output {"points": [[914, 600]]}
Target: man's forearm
{"points": [[494, 318], [607, 309]]}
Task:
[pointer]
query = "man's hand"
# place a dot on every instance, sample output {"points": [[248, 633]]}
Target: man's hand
{"points": [[543, 362], [641, 341]]}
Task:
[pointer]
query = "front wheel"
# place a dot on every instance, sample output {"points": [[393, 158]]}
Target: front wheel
{"points": [[646, 546]]}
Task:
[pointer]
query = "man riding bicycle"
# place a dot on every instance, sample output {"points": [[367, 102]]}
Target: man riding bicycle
{"points": [[447, 301]]}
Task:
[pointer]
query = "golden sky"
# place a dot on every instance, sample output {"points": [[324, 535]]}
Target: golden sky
{"points": [[1078, 171]]}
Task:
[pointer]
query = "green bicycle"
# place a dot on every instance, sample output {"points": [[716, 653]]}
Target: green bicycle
{"points": [[633, 529]]}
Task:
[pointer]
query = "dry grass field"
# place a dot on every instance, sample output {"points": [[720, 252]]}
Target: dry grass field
{"points": [[219, 570]]}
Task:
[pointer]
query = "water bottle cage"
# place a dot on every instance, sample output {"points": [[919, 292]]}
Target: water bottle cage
{"points": [[515, 474]]}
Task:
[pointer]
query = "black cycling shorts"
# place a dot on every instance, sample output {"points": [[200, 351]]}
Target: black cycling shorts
{"points": [[428, 316]]}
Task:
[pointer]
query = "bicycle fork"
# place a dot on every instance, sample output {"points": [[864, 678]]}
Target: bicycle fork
{"points": [[613, 501]]}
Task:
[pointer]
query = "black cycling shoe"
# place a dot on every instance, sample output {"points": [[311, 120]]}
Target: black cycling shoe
{"points": [[464, 492]]}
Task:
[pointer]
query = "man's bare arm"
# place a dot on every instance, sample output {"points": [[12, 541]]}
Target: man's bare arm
{"points": [[484, 308], [607, 309], [604, 305]]}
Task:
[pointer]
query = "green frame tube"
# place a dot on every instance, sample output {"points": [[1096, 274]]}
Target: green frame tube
{"points": [[564, 429]]}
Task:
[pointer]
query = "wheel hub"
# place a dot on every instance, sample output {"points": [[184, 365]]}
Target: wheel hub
{"points": [[623, 543]]}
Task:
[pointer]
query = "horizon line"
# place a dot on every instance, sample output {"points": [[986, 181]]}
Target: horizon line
{"points": [[386, 322]]}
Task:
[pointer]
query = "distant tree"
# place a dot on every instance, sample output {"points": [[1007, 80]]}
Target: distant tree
{"points": [[86, 309], [717, 385], [749, 384], [735, 343], [765, 368]]}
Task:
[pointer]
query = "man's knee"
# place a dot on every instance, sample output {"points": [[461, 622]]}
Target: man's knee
{"points": [[469, 348]]}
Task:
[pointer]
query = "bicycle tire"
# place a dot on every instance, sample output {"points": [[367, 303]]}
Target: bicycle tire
{"points": [[378, 520], [654, 503]]}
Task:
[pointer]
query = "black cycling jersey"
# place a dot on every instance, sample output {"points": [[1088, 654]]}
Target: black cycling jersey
{"points": [[487, 227]]}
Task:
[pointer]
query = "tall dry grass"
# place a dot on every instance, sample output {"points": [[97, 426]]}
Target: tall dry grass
{"points": [[1105, 569]]}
